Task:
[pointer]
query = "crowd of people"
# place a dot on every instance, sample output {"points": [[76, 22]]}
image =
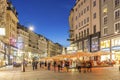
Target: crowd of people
{"points": [[64, 65]]}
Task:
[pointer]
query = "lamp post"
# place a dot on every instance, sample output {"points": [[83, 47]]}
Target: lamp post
{"points": [[31, 28]]}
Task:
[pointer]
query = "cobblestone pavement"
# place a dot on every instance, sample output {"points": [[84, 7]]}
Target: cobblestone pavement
{"points": [[106, 73]]}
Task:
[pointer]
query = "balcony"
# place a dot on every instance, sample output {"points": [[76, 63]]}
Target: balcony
{"points": [[70, 39], [71, 30]]}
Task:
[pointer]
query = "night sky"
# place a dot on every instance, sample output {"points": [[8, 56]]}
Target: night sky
{"points": [[49, 17]]}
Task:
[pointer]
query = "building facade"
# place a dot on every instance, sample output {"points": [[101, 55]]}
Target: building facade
{"points": [[50, 48], [84, 23], [58, 49], [54, 49], [110, 28], [3, 6], [22, 43], [11, 31], [33, 44], [42, 46]]}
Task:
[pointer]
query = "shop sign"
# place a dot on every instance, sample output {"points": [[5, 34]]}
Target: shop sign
{"points": [[94, 46], [116, 48], [86, 45], [20, 43], [105, 49]]}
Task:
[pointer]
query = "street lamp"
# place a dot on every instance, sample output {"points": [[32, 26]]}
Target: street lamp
{"points": [[31, 28]]}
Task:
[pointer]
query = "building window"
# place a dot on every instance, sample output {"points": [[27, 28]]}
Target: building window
{"points": [[76, 9], [117, 27], [94, 3], [94, 29], [117, 2], [84, 1], [87, 19], [84, 33], [84, 10], [76, 27], [104, 1], [94, 15], [87, 31], [105, 19], [76, 17], [84, 21], [79, 14], [79, 24], [79, 35], [81, 3], [76, 36], [105, 30], [87, 8], [117, 14]]}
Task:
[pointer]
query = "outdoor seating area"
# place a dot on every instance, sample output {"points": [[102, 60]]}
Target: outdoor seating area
{"points": [[83, 58]]}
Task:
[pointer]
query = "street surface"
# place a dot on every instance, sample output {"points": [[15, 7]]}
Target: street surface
{"points": [[106, 73]]}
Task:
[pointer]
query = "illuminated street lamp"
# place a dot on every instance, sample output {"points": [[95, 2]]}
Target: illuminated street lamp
{"points": [[31, 28]]}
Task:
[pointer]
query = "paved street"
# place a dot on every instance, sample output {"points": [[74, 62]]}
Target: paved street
{"points": [[106, 73]]}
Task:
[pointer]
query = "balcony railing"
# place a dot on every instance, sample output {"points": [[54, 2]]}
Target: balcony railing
{"points": [[71, 30], [70, 39]]}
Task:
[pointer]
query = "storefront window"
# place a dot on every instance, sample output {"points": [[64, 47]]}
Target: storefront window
{"points": [[105, 44], [115, 42]]}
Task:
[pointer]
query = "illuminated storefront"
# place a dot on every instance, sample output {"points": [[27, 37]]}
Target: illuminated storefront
{"points": [[2, 54], [105, 45], [115, 48]]}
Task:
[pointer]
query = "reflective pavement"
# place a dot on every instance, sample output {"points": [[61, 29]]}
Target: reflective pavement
{"points": [[106, 73]]}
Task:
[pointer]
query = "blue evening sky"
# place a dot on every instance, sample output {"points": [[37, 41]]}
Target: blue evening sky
{"points": [[49, 17]]}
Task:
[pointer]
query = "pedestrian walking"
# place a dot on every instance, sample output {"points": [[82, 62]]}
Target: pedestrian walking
{"points": [[54, 65], [78, 65], [33, 64], [36, 62], [49, 65], [40, 64], [67, 65], [45, 64], [84, 66], [59, 66], [119, 67]]}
